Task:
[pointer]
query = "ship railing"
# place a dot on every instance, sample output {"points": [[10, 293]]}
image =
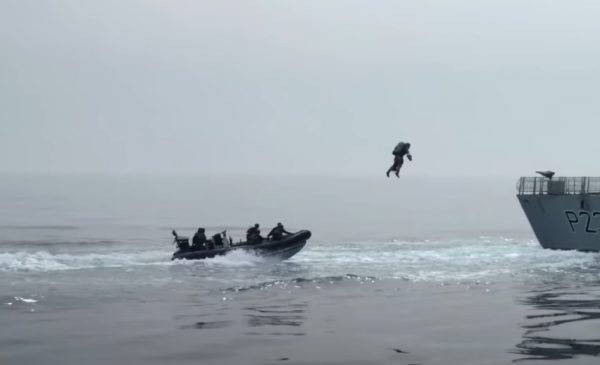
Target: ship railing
{"points": [[558, 185]]}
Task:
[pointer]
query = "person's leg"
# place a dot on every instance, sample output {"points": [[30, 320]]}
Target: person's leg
{"points": [[399, 164], [390, 170], [393, 167]]}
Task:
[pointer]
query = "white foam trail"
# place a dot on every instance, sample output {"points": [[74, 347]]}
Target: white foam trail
{"points": [[445, 260], [236, 258], [41, 261], [45, 261], [25, 300], [426, 260]]}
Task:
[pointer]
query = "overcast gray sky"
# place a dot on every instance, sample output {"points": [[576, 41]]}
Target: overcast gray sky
{"points": [[498, 87]]}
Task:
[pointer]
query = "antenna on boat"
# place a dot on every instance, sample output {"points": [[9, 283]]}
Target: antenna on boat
{"points": [[547, 174]]}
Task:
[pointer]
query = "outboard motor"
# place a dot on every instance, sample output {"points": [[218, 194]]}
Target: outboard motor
{"points": [[183, 243]]}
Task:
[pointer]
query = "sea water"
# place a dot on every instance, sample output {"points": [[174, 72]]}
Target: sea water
{"points": [[398, 271]]}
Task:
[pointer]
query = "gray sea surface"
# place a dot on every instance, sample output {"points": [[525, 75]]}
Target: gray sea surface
{"points": [[398, 271]]}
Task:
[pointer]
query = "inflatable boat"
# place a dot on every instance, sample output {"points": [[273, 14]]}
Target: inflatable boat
{"points": [[281, 249]]}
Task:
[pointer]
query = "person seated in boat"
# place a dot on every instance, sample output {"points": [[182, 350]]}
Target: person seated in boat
{"points": [[199, 240], [253, 235], [218, 240], [277, 232], [183, 243], [227, 241], [252, 230], [210, 244]]}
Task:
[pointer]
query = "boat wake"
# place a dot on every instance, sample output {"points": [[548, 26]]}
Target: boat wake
{"points": [[473, 259], [235, 258], [41, 261], [24, 261], [479, 258]]}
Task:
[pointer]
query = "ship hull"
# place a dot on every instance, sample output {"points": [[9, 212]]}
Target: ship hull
{"points": [[564, 222]]}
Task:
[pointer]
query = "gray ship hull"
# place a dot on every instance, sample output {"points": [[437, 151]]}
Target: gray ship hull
{"points": [[565, 222]]}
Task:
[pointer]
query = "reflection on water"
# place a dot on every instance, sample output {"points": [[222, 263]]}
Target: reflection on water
{"points": [[283, 318], [549, 336], [290, 315], [207, 325]]}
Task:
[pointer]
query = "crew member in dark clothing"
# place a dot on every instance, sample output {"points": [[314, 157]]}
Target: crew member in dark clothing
{"points": [[252, 230], [199, 240], [402, 149], [253, 235], [218, 240], [183, 243], [277, 232]]}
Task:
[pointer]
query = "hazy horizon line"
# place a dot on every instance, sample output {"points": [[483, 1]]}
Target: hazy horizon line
{"points": [[257, 174]]}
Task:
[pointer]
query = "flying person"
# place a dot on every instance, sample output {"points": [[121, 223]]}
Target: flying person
{"points": [[402, 149]]}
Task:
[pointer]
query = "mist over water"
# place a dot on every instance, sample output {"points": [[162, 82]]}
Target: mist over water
{"points": [[397, 271], [343, 207]]}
